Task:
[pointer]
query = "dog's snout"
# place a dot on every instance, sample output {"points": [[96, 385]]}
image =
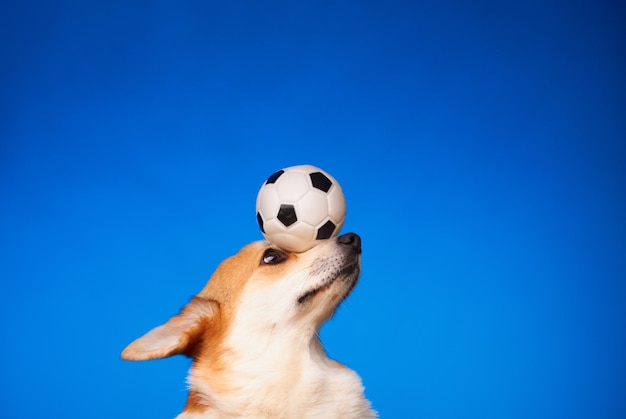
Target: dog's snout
{"points": [[350, 239]]}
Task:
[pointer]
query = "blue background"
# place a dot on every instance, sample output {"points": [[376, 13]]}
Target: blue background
{"points": [[481, 147]]}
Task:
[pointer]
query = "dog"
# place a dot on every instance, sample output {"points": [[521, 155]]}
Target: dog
{"points": [[252, 333]]}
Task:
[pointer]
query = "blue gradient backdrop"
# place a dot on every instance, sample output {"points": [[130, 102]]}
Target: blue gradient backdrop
{"points": [[481, 147]]}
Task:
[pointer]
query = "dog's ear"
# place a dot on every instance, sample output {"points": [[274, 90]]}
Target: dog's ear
{"points": [[179, 335]]}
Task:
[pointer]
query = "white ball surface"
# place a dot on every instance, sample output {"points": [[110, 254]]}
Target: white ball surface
{"points": [[299, 206]]}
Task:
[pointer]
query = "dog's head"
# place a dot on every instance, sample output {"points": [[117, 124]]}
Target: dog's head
{"points": [[260, 291]]}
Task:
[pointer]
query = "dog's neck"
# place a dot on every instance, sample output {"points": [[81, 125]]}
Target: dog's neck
{"points": [[283, 376]]}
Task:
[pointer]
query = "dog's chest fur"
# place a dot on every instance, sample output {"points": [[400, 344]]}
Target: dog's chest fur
{"points": [[275, 381]]}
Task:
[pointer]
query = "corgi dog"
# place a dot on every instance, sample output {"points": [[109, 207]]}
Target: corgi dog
{"points": [[252, 333]]}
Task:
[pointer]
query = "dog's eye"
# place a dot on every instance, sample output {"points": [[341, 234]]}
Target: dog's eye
{"points": [[273, 257]]}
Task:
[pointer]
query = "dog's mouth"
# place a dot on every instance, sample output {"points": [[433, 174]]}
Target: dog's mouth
{"points": [[348, 273]]}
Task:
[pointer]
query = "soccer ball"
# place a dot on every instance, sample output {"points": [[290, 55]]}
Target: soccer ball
{"points": [[298, 206]]}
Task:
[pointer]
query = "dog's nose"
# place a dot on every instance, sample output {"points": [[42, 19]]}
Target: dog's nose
{"points": [[350, 239]]}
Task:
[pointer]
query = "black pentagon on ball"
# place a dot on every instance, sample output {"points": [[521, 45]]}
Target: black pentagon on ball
{"points": [[287, 214], [259, 220], [326, 230], [320, 181], [274, 177]]}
